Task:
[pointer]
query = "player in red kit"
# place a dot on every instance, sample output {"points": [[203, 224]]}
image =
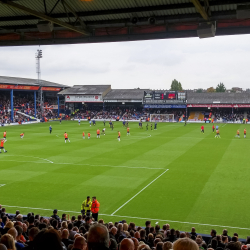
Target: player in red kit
{"points": [[202, 129], [213, 128], [2, 146], [4, 135], [66, 137]]}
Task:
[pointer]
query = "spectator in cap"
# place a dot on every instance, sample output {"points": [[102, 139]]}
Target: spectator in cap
{"points": [[55, 216]]}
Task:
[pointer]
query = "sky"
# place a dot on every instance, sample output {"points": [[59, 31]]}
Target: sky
{"points": [[196, 63]]}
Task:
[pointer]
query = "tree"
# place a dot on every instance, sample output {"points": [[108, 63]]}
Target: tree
{"points": [[220, 87], [175, 85], [210, 90], [199, 91]]}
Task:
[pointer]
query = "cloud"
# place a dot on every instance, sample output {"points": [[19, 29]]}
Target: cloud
{"points": [[196, 63]]}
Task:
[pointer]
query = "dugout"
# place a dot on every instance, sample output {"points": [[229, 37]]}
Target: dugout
{"points": [[16, 88]]}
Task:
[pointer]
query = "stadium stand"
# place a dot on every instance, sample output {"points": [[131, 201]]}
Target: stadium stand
{"points": [[225, 98], [38, 233]]}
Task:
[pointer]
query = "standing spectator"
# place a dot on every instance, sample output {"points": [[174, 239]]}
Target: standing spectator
{"points": [[148, 225], [55, 216]]}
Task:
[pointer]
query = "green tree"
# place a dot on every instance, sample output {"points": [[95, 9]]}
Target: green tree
{"points": [[175, 86], [210, 90], [220, 87], [199, 91]]}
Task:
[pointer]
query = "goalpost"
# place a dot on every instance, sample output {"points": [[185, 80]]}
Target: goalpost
{"points": [[162, 118]]}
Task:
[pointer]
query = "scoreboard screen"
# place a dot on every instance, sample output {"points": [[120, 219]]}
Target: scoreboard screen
{"points": [[163, 96]]}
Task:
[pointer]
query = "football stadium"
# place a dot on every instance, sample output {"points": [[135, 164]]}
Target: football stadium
{"points": [[92, 166]]}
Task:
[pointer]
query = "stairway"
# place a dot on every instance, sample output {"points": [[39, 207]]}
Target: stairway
{"points": [[28, 116]]}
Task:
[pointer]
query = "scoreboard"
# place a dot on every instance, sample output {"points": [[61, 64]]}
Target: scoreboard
{"points": [[164, 97]]}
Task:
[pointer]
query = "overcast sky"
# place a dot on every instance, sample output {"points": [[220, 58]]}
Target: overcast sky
{"points": [[196, 63]]}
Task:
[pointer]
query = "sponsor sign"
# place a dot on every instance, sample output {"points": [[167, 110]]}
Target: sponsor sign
{"points": [[51, 89], [164, 106], [20, 87], [218, 105], [83, 98]]}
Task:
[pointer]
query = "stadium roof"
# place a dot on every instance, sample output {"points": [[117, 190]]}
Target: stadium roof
{"points": [[89, 21], [125, 94], [28, 81], [217, 98], [86, 90]]}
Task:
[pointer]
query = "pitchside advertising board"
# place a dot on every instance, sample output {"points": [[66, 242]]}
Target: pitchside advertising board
{"points": [[218, 105], [164, 96], [83, 98]]}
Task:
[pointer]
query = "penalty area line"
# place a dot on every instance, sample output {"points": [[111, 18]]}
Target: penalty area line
{"points": [[139, 192], [75, 164]]}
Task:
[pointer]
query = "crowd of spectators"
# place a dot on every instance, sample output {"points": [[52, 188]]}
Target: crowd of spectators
{"points": [[124, 114], [34, 232], [24, 104], [228, 116]]}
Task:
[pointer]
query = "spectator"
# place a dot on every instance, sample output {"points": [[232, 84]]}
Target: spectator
{"points": [[193, 232], [55, 216], [98, 237], [65, 238], [78, 223], [113, 233], [185, 244], [80, 243], [167, 245], [225, 233], [13, 232], [8, 241], [3, 247], [148, 225], [71, 232], [127, 244], [32, 234], [48, 240]]}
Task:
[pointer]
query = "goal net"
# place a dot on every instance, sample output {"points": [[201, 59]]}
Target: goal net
{"points": [[161, 117]]}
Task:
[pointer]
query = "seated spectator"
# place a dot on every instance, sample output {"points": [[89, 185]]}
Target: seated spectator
{"points": [[98, 237], [32, 234], [167, 245], [8, 241], [185, 244], [14, 233], [65, 238], [80, 243], [127, 244]]}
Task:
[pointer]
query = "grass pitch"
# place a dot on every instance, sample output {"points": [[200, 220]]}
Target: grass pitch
{"points": [[172, 175]]}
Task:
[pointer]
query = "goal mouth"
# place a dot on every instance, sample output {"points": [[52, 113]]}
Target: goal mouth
{"points": [[162, 118]]}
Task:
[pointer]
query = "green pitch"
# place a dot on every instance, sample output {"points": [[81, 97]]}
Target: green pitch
{"points": [[172, 175]]}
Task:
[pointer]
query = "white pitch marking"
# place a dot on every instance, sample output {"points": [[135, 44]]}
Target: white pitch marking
{"points": [[1, 185], [75, 164], [139, 192], [131, 217], [224, 125], [32, 157]]}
